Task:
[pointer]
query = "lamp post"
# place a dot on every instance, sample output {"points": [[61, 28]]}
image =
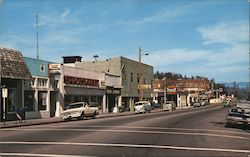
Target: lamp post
{"points": [[140, 92]]}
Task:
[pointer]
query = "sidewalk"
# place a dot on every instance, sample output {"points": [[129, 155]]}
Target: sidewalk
{"points": [[29, 122]]}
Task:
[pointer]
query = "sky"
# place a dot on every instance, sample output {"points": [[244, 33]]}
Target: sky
{"points": [[195, 37]]}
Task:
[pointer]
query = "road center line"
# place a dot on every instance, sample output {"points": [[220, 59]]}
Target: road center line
{"points": [[41, 155], [131, 146], [155, 128], [138, 131]]}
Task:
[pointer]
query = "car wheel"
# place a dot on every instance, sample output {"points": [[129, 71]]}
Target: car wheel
{"points": [[82, 116], [94, 115], [228, 124]]}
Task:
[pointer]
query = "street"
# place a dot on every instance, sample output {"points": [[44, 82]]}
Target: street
{"points": [[186, 132]]}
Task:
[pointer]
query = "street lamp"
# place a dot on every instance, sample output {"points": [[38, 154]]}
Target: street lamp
{"points": [[140, 74]]}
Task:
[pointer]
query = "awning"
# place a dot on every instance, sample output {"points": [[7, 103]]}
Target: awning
{"points": [[84, 91]]}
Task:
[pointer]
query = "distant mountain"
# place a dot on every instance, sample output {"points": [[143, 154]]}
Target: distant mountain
{"points": [[237, 84]]}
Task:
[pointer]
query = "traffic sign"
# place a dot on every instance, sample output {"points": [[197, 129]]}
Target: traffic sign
{"points": [[4, 92]]}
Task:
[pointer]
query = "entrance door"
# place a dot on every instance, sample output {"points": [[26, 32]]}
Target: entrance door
{"points": [[111, 102], [52, 104]]}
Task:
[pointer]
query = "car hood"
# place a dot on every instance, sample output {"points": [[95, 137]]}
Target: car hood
{"points": [[70, 110]]}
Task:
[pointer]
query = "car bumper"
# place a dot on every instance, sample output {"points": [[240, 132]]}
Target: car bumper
{"points": [[238, 122], [70, 115]]}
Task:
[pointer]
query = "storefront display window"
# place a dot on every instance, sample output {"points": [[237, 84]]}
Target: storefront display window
{"points": [[42, 96], [11, 106], [29, 100]]}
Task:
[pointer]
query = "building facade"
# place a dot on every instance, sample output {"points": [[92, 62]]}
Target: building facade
{"points": [[184, 92], [127, 70], [76, 84], [14, 73], [40, 93]]}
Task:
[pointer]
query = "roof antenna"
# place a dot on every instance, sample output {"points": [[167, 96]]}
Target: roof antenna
{"points": [[37, 46]]}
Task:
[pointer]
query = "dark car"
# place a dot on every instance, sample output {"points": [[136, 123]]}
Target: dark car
{"points": [[156, 105], [237, 116]]}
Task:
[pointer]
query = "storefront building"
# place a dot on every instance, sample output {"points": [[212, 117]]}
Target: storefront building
{"points": [[195, 89], [127, 70], [14, 73], [184, 92], [75, 85], [39, 94], [170, 89]]}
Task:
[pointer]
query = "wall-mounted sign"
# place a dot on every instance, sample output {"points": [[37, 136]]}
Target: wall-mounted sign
{"points": [[171, 90], [81, 81], [4, 92], [113, 91], [144, 86], [54, 66]]}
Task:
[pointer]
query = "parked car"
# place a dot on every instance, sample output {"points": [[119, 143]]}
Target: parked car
{"points": [[143, 107], [197, 104], [204, 103], [237, 116], [156, 105], [79, 110], [169, 106]]}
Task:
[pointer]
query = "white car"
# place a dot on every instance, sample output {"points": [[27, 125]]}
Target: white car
{"points": [[79, 110], [197, 104], [142, 107], [237, 116]]}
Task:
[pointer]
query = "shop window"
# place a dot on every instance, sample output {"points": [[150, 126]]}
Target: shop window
{"points": [[11, 100], [132, 77], [29, 100], [42, 97], [33, 82], [42, 82]]}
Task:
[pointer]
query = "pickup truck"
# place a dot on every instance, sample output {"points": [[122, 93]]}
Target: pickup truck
{"points": [[79, 110]]}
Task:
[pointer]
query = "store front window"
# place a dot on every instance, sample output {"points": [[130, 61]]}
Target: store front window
{"points": [[29, 100], [11, 100], [42, 96]]}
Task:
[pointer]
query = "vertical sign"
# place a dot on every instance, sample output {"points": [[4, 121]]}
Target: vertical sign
{"points": [[4, 95]]}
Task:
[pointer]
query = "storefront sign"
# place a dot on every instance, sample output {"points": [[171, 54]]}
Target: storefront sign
{"points": [[171, 90], [144, 86], [4, 92], [81, 81], [54, 68], [113, 91]]}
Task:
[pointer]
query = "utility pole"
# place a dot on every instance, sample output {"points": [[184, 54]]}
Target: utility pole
{"points": [[165, 92], [37, 46], [140, 90], [139, 75]]}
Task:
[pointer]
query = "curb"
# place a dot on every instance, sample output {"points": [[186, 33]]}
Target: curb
{"points": [[59, 121]]}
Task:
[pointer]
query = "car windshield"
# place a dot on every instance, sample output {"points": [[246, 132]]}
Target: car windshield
{"points": [[71, 106], [237, 110], [141, 103], [138, 104]]}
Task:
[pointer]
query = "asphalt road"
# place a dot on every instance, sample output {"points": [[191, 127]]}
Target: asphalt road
{"points": [[189, 132]]}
